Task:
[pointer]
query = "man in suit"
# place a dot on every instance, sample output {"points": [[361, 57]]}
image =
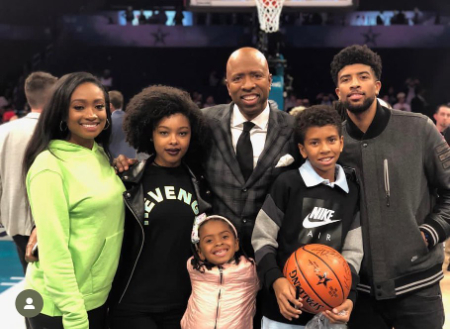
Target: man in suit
{"points": [[239, 170], [238, 188]]}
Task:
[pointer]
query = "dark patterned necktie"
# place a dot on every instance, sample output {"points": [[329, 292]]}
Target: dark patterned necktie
{"points": [[244, 151]]}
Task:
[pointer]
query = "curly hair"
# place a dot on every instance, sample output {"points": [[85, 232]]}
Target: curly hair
{"points": [[355, 54], [146, 109], [316, 116]]}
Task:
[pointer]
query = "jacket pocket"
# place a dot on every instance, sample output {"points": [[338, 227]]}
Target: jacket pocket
{"points": [[104, 268]]}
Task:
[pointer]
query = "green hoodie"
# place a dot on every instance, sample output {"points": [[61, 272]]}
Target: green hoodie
{"points": [[76, 202]]}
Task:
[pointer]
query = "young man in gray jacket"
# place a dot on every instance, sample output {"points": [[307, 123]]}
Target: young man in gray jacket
{"points": [[403, 164]]}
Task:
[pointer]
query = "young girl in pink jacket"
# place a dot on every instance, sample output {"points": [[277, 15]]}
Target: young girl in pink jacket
{"points": [[224, 281]]}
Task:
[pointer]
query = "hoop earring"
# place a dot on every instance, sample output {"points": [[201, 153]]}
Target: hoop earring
{"points": [[107, 124], [61, 126]]}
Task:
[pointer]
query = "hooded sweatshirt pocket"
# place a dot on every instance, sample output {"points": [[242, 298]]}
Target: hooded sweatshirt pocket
{"points": [[105, 266]]}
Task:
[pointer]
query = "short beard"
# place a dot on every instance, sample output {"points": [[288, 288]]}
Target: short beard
{"points": [[356, 109]]}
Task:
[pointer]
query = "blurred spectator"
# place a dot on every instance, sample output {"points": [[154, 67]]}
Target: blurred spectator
{"points": [[401, 103], [392, 95], [299, 20], [380, 20], [319, 97], [142, 18], [179, 16], [3, 101], [106, 79], [437, 19], [209, 102], [291, 102], [299, 102], [161, 17], [360, 20], [327, 100], [385, 99], [129, 15], [8, 113], [384, 103], [399, 19], [118, 144], [197, 98], [316, 19], [213, 79], [442, 118], [417, 16], [411, 85], [322, 98], [331, 19], [296, 110], [419, 103]]}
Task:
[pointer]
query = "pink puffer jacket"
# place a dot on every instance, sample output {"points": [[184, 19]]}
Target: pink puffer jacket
{"points": [[222, 298]]}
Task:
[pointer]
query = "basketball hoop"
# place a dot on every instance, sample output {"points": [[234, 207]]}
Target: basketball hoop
{"points": [[269, 14]]}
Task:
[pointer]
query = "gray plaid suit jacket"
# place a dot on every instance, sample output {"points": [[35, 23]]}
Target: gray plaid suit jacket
{"points": [[232, 197]]}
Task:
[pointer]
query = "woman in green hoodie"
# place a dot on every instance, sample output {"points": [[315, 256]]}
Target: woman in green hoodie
{"points": [[74, 195]]}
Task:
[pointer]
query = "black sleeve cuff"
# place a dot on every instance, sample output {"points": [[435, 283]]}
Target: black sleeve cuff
{"points": [[434, 233], [271, 276]]}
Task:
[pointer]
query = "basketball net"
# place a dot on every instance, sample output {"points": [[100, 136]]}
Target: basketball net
{"points": [[269, 12]]}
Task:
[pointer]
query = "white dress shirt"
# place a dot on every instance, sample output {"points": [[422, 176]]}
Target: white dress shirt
{"points": [[258, 133]]}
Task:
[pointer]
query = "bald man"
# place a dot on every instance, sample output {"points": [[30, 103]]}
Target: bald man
{"points": [[252, 143]]}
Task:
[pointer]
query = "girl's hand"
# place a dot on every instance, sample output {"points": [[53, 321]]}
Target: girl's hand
{"points": [[285, 293], [340, 314], [29, 257], [122, 163]]}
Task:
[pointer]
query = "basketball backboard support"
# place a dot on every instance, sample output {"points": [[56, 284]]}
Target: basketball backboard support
{"points": [[289, 5]]}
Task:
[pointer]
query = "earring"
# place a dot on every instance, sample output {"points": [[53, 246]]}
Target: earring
{"points": [[61, 126], [107, 124]]}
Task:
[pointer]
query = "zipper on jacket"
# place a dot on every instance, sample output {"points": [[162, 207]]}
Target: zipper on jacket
{"points": [[387, 187], [140, 250], [218, 297]]}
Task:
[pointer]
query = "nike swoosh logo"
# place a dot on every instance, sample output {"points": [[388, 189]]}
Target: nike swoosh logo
{"points": [[308, 224]]}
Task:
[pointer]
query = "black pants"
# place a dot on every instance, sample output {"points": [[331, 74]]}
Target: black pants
{"points": [[417, 310], [97, 320], [21, 242], [129, 319]]}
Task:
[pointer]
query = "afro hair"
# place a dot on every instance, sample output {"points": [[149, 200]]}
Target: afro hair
{"points": [[154, 103], [355, 54]]}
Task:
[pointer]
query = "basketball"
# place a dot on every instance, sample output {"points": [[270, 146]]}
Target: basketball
{"points": [[321, 276]]}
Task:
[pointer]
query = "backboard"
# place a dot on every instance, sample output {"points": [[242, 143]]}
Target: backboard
{"points": [[231, 5]]}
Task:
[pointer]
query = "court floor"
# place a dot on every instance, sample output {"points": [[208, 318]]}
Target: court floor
{"points": [[11, 284]]}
